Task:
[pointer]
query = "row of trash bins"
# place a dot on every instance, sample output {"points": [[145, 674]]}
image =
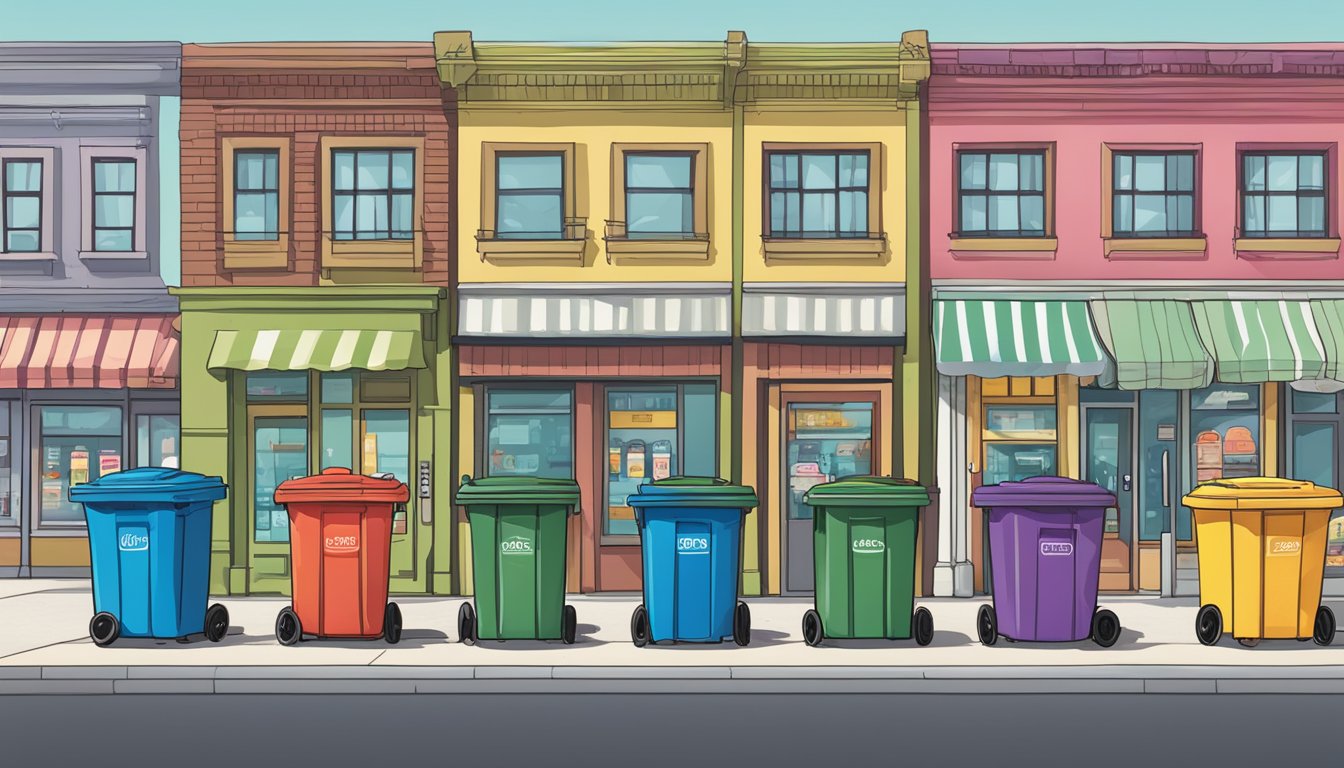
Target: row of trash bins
{"points": [[1261, 559]]}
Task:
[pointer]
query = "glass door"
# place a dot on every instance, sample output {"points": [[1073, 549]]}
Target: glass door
{"points": [[823, 441], [1314, 429], [1108, 461], [278, 445]]}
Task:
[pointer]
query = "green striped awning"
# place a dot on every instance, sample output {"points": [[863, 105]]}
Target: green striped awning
{"points": [[1003, 337], [1261, 340], [1154, 345], [1329, 317], [329, 350]]}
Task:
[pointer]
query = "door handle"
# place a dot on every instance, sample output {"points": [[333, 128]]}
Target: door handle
{"points": [[1166, 479], [1125, 482], [970, 467]]}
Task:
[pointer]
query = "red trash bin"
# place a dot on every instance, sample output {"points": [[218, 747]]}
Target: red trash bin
{"points": [[340, 549]]}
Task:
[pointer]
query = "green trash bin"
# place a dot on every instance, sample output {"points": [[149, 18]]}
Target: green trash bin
{"points": [[519, 532], [864, 531]]}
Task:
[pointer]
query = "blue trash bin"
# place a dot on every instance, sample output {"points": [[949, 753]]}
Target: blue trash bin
{"points": [[690, 531], [149, 543]]}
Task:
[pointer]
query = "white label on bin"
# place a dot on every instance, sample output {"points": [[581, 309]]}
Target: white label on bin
{"points": [[1056, 548], [869, 546], [515, 545], [342, 543], [693, 545], [1283, 545], [133, 542]]}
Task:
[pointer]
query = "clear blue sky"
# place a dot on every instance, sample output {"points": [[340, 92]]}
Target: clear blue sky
{"points": [[762, 20]]}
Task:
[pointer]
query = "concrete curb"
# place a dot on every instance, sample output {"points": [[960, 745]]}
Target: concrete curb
{"points": [[980, 680]]}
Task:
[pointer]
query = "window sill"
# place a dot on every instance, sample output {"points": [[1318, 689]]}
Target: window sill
{"points": [[692, 249], [1305, 248], [28, 256], [824, 248], [1130, 248], [113, 255], [256, 254], [505, 249], [1004, 247], [371, 254]]}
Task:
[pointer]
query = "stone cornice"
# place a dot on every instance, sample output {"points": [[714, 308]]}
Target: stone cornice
{"points": [[517, 75], [151, 69]]}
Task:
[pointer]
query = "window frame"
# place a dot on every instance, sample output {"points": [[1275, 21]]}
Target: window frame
{"points": [[800, 190], [1193, 193], [48, 235], [569, 248], [387, 195], [1046, 193], [482, 392], [255, 254], [402, 253], [560, 193], [93, 190], [1327, 228], [871, 247], [692, 245], [140, 235], [1126, 246]]}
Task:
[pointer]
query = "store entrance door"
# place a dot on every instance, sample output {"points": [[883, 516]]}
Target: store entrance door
{"points": [[826, 437], [277, 444], [1108, 461]]}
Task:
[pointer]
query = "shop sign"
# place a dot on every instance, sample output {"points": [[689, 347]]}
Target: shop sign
{"points": [[515, 545], [1283, 546], [693, 545], [818, 419], [643, 419]]}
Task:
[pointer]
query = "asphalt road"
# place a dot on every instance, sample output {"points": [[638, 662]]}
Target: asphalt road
{"points": [[674, 730]]}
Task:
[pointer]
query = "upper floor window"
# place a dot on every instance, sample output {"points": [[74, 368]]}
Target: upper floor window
{"points": [[373, 194], [818, 194], [1283, 194], [659, 194], [256, 194], [530, 195], [1153, 194], [114, 204], [22, 198], [1001, 193]]}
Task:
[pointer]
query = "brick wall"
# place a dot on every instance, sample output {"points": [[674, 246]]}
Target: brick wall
{"points": [[219, 101]]}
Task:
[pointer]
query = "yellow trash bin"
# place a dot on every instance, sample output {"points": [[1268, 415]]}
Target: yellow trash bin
{"points": [[1261, 559]]}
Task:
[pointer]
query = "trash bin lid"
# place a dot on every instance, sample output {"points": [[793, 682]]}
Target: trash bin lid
{"points": [[1257, 493], [340, 484], [1045, 491], [693, 492], [507, 489], [868, 491], [150, 485]]}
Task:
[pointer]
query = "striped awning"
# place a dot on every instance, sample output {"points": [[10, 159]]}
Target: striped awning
{"points": [[1152, 344], [320, 350], [1003, 337], [88, 352], [1262, 340], [1329, 317]]}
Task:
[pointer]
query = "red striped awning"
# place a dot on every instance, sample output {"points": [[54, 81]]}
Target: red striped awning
{"points": [[88, 352]]}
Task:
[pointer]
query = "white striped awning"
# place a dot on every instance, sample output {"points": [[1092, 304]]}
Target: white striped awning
{"points": [[1262, 340], [587, 311], [871, 311], [1005, 337]]}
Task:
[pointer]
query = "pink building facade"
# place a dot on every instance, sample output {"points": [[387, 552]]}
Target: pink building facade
{"points": [[1137, 282]]}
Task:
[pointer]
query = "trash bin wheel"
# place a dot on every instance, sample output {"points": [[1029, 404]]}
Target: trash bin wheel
{"points": [[1248, 642], [1324, 632], [1209, 625], [216, 623], [742, 624], [987, 625], [104, 629], [288, 628], [392, 624], [813, 632], [1105, 628], [923, 625], [569, 625], [639, 626], [466, 624]]}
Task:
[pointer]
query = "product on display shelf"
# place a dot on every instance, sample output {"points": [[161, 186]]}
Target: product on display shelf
{"points": [[634, 459], [662, 459]]}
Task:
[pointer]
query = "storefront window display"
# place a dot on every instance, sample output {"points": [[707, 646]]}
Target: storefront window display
{"points": [[156, 439], [655, 433], [78, 444], [530, 432], [1020, 442], [8, 516], [1225, 437], [825, 442]]}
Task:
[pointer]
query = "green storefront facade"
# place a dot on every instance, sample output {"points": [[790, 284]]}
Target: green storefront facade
{"points": [[281, 382]]}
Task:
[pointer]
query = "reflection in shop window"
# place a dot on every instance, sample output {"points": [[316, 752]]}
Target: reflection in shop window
{"points": [[386, 443], [277, 385], [8, 517], [79, 444], [1225, 431], [338, 438], [156, 440], [825, 442], [529, 432], [1017, 461], [280, 445]]}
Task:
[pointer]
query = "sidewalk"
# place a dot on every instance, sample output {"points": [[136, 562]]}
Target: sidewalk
{"points": [[44, 648]]}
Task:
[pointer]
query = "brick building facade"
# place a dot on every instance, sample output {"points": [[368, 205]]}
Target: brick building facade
{"points": [[317, 243]]}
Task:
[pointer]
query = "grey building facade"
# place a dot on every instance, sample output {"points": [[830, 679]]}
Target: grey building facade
{"points": [[88, 332]]}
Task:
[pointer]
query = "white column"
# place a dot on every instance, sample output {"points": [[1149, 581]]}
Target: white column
{"points": [[963, 573], [948, 472]]}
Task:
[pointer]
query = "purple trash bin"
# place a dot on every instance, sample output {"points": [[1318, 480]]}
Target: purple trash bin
{"points": [[1045, 556]]}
